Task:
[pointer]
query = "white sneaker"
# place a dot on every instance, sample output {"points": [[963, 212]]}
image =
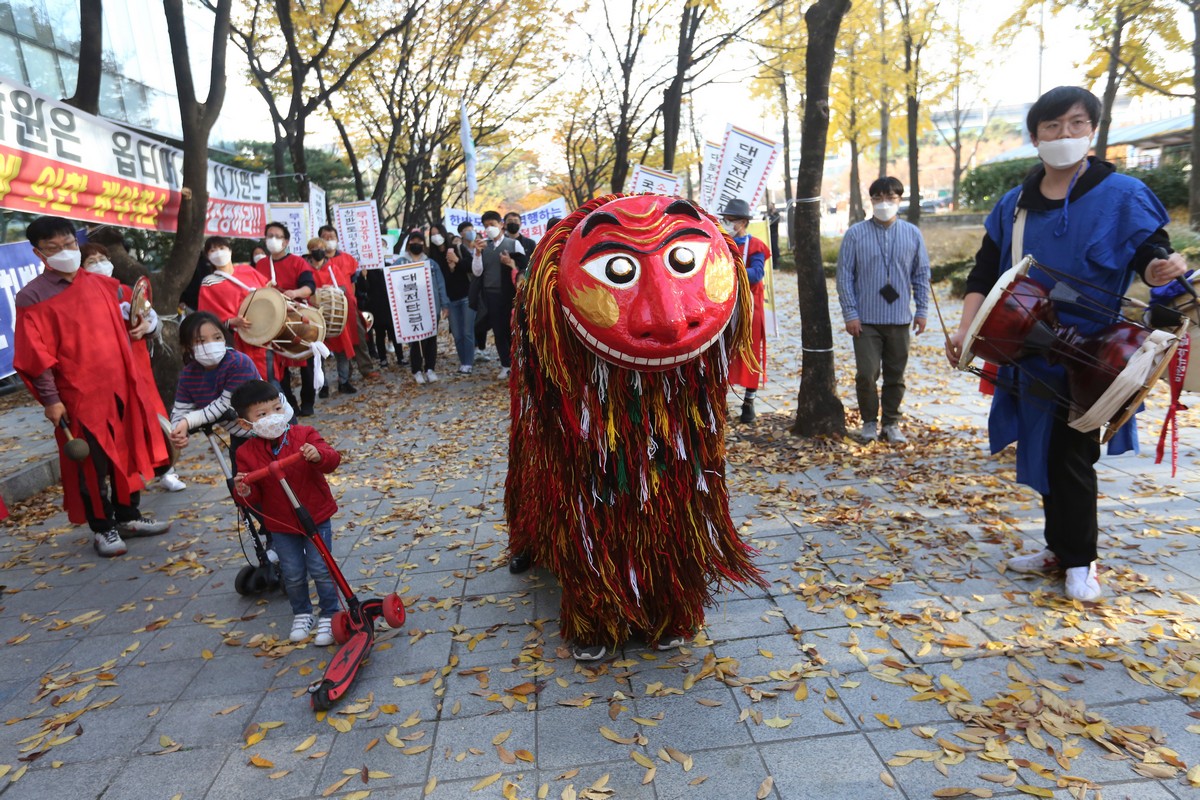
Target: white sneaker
{"points": [[1041, 561], [109, 544], [893, 434], [1081, 584], [869, 432], [301, 625], [465, 369], [430, 376], [324, 635], [503, 374], [419, 377], [481, 355], [171, 482]]}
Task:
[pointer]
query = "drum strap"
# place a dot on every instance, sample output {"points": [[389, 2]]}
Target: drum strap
{"points": [[1018, 232], [1177, 372], [224, 276]]}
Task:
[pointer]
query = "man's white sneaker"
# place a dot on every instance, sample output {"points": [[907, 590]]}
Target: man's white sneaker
{"points": [[419, 377], [108, 544], [1041, 561], [1082, 585], [869, 432], [146, 526], [301, 625], [324, 635], [430, 376], [503, 376], [465, 369], [893, 434], [171, 482]]}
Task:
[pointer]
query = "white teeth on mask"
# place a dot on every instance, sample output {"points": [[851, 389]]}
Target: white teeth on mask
{"points": [[624, 360]]}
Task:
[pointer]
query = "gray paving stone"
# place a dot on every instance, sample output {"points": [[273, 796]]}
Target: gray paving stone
{"points": [[79, 779], [188, 773], [833, 767]]}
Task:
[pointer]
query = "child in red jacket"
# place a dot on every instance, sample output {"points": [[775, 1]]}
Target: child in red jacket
{"points": [[260, 406]]}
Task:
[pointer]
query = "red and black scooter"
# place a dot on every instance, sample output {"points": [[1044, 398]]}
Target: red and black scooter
{"points": [[353, 626]]}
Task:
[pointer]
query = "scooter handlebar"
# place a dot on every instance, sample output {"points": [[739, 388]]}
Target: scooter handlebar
{"points": [[283, 463]]}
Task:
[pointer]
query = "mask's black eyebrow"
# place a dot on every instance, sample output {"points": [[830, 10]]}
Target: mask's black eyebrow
{"points": [[682, 207], [599, 218], [608, 247]]}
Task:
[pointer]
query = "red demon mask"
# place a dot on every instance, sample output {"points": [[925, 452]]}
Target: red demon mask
{"points": [[647, 282]]}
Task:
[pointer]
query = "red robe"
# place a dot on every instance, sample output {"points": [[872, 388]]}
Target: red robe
{"points": [[739, 373], [344, 341], [344, 266], [81, 336], [223, 298], [285, 272]]}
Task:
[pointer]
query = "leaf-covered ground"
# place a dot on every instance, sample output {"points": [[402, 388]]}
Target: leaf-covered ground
{"points": [[891, 657]]}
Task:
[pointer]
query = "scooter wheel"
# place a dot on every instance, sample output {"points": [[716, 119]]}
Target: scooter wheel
{"points": [[342, 630], [393, 611], [261, 580], [320, 698], [242, 582]]}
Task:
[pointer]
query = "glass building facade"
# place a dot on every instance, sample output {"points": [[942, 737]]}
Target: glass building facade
{"points": [[39, 47]]}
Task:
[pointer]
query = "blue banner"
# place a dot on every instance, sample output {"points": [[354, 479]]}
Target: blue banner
{"points": [[18, 266]]}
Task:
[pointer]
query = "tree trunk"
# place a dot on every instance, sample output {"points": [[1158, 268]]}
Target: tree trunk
{"points": [[914, 166], [857, 212], [787, 139], [884, 110], [299, 159], [818, 409], [672, 109], [1194, 174], [91, 54], [1110, 85]]}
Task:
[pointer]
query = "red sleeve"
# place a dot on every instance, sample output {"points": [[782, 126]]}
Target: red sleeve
{"points": [[330, 458], [250, 456], [34, 348]]}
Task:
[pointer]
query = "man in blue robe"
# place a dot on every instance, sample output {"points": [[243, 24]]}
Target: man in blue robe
{"points": [[1082, 219]]}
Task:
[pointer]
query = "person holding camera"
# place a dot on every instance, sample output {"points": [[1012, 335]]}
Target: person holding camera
{"points": [[882, 262]]}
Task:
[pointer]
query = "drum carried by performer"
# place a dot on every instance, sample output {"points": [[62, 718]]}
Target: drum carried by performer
{"points": [[1056, 329], [292, 275], [333, 298]]}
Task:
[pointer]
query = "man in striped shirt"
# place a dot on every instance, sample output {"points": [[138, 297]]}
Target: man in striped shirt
{"points": [[881, 264]]}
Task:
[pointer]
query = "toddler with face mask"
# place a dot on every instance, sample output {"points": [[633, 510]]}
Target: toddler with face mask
{"points": [[260, 407]]}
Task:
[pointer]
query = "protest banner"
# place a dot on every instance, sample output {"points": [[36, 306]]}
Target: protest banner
{"points": [[759, 229], [295, 216], [317, 213], [358, 232], [708, 173], [648, 179], [746, 161], [533, 223], [456, 216], [410, 293], [18, 266], [55, 159]]}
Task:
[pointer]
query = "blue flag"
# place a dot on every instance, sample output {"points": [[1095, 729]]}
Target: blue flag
{"points": [[468, 146]]}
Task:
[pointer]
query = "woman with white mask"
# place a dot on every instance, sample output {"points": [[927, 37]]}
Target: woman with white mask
{"points": [[1095, 228]]}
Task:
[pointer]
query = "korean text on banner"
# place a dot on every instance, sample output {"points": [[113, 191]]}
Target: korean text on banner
{"points": [[410, 292], [237, 202], [358, 232], [648, 179], [18, 266], [317, 213], [708, 173], [55, 159], [456, 216], [533, 223], [746, 161], [295, 216]]}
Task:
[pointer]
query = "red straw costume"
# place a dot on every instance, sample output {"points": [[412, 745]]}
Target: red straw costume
{"points": [[616, 478], [223, 298], [80, 335]]}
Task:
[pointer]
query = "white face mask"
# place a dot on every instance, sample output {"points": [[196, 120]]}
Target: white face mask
{"points": [[104, 267], [221, 257], [493, 232], [884, 211], [65, 261], [1063, 153], [438, 239], [258, 257], [275, 244], [331, 245], [209, 354], [272, 426]]}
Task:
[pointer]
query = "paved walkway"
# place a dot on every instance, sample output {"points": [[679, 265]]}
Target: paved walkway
{"points": [[891, 656]]}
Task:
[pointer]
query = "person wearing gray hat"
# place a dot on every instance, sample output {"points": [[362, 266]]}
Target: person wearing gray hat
{"points": [[736, 218]]}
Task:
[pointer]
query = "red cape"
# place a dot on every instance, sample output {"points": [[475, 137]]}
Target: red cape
{"points": [[223, 300], [81, 336], [286, 273]]}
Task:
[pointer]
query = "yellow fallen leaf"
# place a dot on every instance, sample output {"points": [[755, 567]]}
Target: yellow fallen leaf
{"points": [[307, 743], [362, 794], [524, 755], [254, 738], [334, 787], [642, 759], [259, 761], [486, 782], [277, 775], [206, 655], [1036, 791], [500, 738], [777, 722], [430, 785], [951, 791], [834, 717], [764, 789], [888, 780]]}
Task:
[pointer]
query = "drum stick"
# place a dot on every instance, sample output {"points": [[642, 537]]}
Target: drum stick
{"points": [[1161, 252], [937, 306]]}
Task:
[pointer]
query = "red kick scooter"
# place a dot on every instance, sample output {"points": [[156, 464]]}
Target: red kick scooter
{"points": [[354, 626]]}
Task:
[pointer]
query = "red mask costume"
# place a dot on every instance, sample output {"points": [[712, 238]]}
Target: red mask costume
{"points": [[616, 483], [647, 282]]}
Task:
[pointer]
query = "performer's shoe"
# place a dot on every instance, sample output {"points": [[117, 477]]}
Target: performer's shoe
{"points": [[869, 432], [146, 526], [1041, 561], [1082, 585], [324, 393], [465, 369], [588, 652], [481, 355], [893, 434], [347, 388], [748, 414], [674, 642], [108, 544], [306, 410], [519, 563], [171, 481], [503, 374]]}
